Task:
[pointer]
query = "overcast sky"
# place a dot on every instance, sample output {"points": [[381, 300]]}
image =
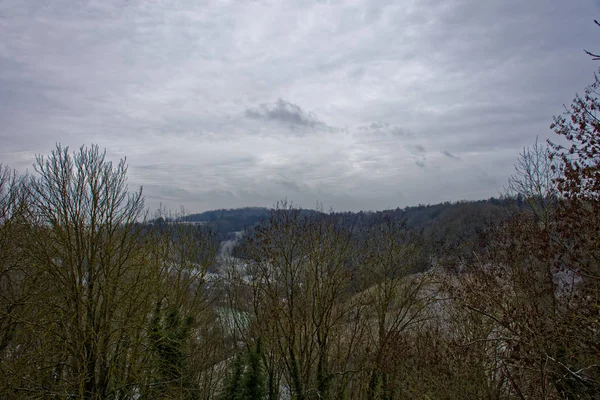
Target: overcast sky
{"points": [[360, 104]]}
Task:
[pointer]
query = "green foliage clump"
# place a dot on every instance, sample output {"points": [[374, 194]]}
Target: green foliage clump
{"points": [[247, 378]]}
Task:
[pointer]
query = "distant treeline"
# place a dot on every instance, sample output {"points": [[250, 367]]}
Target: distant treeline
{"points": [[450, 231]]}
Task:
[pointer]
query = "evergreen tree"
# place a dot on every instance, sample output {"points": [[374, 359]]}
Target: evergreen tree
{"points": [[168, 338], [254, 387], [232, 388], [247, 379]]}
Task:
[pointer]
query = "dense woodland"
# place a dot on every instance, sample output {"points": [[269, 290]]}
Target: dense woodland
{"points": [[497, 299]]}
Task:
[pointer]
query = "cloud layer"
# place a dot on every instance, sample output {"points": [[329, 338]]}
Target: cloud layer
{"points": [[361, 104]]}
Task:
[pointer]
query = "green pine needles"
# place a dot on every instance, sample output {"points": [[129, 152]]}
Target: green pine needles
{"points": [[247, 378]]}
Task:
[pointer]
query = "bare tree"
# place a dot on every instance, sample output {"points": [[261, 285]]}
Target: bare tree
{"points": [[394, 295], [301, 284], [18, 283], [534, 180], [85, 243]]}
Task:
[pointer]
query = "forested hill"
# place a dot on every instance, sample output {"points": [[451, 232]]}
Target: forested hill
{"points": [[230, 220], [452, 230], [446, 228], [422, 216]]}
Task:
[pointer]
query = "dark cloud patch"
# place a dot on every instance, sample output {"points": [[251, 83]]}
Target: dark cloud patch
{"points": [[450, 155], [417, 149], [419, 153], [287, 113]]}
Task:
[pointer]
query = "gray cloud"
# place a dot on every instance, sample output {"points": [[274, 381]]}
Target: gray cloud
{"points": [[287, 113], [450, 155], [417, 149], [419, 153]]}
